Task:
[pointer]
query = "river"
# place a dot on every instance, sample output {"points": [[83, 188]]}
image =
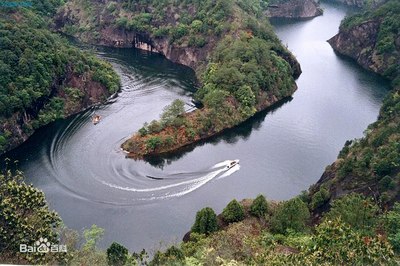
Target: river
{"points": [[88, 180]]}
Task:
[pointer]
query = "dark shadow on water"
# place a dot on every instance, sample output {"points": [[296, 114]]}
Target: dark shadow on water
{"points": [[229, 136]]}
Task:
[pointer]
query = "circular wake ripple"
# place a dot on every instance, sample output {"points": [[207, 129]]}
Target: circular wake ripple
{"points": [[87, 161]]}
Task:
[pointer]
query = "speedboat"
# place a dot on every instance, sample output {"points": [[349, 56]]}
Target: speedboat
{"points": [[96, 119], [232, 164]]}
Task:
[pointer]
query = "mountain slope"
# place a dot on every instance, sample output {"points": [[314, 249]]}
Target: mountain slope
{"points": [[370, 165], [42, 77]]}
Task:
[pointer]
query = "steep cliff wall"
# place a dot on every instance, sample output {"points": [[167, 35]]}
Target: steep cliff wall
{"points": [[294, 9], [357, 3], [114, 36], [361, 43]]}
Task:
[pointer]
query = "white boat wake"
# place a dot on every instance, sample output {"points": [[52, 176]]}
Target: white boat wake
{"points": [[218, 171]]}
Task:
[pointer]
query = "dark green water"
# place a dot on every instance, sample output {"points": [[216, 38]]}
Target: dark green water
{"points": [[88, 180]]}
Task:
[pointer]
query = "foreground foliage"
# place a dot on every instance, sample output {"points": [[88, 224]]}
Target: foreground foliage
{"points": [[337, 240], [24, 219]]}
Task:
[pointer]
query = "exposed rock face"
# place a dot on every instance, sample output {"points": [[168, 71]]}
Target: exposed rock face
{"points": [[113, 36], [358, 3], [294, 9], [359, 42]]}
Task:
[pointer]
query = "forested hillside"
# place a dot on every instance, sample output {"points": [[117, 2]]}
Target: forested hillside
{"points": [[241, 65], [370, 165], [42, 77]]}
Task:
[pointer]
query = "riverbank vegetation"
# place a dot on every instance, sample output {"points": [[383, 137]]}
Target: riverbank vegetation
{"points": [[43, 77], [359, 233], [371, 165], [247, 71]]}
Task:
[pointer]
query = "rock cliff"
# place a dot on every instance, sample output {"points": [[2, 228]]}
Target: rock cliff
{"points": [[294, 9]]}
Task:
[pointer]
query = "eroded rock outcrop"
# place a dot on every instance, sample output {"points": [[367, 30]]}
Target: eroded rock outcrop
{"points": [[113, 36], [294, 9], [360, 42]]}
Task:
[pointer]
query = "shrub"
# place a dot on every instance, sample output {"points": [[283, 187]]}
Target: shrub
{"points": [[172, 112], [206, 221], [233, 212], [259, 207], [153, 142], [172, 256], [356, 210], [319, 198], [292, 214], [154, 127], [392, 225], [117, 254], [386, 183], [143, 131], [335, 243]]}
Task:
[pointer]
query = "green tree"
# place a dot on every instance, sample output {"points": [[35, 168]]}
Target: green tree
{"points": [[355, 210], [172, 112], [392, 226], [233, 212], [292, 214], [172, 256], [117, 254], [259, 207], [319, 198], [245, 96], [386, 183], [89, 254], [335, 243], [24, 219], [206, 221], [153, 142], [196, 25]]}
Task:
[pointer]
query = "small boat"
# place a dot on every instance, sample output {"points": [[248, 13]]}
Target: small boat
{"points": [[232, 164], [96, 119]]}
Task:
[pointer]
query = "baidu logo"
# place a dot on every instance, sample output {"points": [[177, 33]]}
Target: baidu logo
{"points": [[42, 246]]}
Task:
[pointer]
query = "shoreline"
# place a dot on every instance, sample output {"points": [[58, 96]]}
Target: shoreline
{"points": [[187, 145]]}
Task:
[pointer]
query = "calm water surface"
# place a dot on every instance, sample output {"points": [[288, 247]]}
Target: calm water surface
{"points": [[88, 180]]}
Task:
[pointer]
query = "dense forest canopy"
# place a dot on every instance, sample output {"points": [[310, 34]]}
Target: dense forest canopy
{"points": [[35, 65], [247, 69]]}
